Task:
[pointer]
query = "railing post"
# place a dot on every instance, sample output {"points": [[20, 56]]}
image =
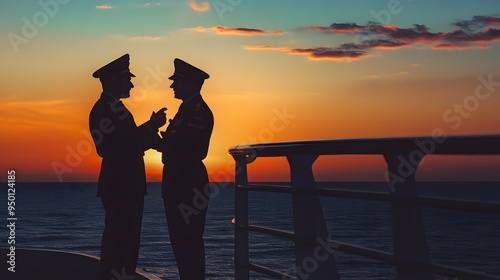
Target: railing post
{"points": [[241, 258], [314, 258], [410, 244]]}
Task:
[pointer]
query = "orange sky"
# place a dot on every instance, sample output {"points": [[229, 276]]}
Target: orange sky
{"points": [[262, 68]]}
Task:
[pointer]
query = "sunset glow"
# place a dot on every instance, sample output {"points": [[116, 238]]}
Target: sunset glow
{"points": [[280, 71]]}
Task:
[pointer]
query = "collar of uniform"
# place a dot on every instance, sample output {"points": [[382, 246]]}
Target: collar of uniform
{"points": [[184, 102], [110, 95]]}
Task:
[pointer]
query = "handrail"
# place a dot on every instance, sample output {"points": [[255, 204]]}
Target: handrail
{"points": [[410, 254], [465, 144], [445, 203]]}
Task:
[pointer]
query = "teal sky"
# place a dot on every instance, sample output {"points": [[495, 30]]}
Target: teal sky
{"points": [[75, 19]]}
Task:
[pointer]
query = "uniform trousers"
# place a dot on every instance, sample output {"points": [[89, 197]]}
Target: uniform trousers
{"points": [[121, 237], [186, 201]]}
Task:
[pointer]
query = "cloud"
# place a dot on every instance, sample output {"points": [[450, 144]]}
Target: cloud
{"points": [[372, 77], [316, 53], [331, 54], [266, 47], [402, 73], [137, 38], [451, 47], [219, 29], [375, 44], [336, 28], [415, 34], [479, 29], [345, 52], [489, 35], [35, 113], [477, 23], [104, 7], [469, 34], [199, 7], [145, 38]]}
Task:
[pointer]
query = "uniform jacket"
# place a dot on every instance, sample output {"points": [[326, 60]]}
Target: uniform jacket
{"points": [[121, 145], [186, 140]]}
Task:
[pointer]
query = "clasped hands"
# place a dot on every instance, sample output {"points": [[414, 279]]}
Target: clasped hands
{"points": [[159, 118]]}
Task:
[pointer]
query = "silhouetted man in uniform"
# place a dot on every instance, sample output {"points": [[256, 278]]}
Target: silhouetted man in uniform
{"points": [[122, 179], [185, 181]]}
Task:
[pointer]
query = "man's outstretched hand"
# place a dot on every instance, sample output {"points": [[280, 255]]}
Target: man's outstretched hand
{"points": [[159, 118]]}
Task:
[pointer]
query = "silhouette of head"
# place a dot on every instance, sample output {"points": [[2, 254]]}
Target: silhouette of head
{"points": [[116, 77], [187, 79]]}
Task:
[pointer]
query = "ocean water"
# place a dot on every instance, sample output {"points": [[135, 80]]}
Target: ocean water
{"points": [[68, 216]]}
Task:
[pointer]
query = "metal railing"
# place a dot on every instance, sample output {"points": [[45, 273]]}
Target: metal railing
{"points": [[402, 155]]}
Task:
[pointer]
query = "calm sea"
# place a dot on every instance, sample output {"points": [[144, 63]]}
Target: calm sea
{"points": [[68, 216]]}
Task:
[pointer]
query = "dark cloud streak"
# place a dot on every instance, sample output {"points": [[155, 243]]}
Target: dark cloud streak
{"points": [[477, 29], [477, 23], [473, 33]]}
